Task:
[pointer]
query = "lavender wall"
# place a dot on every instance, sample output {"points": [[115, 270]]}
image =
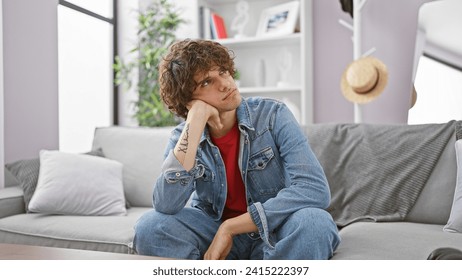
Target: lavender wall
{"points": [[30, 60], [390, 27]]}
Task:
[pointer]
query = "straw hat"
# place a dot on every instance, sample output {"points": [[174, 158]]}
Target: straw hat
{"points": [[364, 80]]}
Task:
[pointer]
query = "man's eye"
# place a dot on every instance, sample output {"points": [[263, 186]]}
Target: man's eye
{"points": [[222, 72], [205, 83]]}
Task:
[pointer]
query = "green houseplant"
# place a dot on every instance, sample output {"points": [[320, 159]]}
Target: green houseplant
{"points": [[157, 26]]}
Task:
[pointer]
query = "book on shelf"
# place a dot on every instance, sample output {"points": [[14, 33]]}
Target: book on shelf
{"points": [[211, 24], [218, 26], [205, 29]]}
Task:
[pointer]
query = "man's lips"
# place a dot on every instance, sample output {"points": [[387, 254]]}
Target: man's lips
{"points": [[229, 94]]}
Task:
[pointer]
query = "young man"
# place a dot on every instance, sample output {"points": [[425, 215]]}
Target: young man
{"points": [[258, 190]]}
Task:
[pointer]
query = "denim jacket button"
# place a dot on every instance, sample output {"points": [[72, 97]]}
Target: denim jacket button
{"points": [[177, 174], [252, 234]]}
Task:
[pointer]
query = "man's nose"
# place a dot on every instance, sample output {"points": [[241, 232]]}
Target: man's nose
{"points": [[224, 84]]}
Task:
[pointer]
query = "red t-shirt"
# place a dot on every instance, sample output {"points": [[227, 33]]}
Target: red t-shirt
{"points": [[229, 149]]}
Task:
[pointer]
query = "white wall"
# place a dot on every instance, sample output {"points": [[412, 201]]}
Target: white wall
{"points": [[30, 60]]}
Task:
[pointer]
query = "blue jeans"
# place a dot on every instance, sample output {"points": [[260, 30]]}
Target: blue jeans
{"points": [[309, 233]]}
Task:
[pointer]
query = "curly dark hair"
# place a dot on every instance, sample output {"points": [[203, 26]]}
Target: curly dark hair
{"points": [[185, 59]]}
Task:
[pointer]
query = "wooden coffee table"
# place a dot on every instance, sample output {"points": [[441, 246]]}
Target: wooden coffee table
{"points": [[27, 252]]}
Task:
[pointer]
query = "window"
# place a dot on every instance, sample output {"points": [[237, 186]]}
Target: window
{"points": [[103, 8], [86, 55], [439, 93]]}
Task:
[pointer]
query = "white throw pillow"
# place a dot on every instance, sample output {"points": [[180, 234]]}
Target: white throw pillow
{"points": [[455, 219], [78, 184]]}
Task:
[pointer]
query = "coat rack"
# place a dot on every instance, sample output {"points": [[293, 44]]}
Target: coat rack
{"points": [[356, 29]]}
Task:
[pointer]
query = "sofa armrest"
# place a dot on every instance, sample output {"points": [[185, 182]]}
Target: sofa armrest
{"points": [[11, 201]]}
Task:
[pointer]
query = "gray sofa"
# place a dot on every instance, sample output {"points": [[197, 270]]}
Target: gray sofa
{"points": [[410, 236]]}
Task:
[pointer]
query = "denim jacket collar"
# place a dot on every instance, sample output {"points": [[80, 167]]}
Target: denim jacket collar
{"points": [[244, 117]]}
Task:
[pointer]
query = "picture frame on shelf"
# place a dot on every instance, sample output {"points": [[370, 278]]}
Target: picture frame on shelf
{"points": [[279, 20]]}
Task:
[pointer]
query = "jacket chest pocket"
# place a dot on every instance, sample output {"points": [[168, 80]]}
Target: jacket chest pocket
{"points": [[260, 160], [265, 172]]}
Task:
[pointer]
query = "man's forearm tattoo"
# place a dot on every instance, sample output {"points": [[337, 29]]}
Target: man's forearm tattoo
{"points": [[184, 142]]}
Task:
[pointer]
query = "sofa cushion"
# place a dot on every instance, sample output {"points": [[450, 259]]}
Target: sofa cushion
{"points": [[393, 241], [454, 223], [141, 151], [97, 233], [376, 172], [26, 173], [76, 184], [10, 179], [438, 190]]}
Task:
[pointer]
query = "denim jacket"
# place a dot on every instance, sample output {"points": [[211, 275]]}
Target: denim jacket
{"points": [[279, 170]]}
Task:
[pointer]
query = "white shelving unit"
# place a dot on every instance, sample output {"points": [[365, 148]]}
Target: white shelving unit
{"points": [[259, 58]]}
